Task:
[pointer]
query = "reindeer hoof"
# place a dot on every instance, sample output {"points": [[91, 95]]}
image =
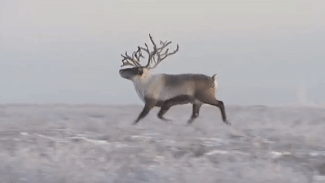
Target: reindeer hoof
{"points": [[190, 121], [164, 119], [227, 122]]}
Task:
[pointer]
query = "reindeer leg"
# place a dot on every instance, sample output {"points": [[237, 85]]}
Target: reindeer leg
{"points": [[150, 103], [195, 112], [219, 103], [182, 99], [210, 99], [164, 108], [162, 111]]}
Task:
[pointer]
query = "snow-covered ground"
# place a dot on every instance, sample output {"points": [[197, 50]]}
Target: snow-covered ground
{"points": [[96, 143]]}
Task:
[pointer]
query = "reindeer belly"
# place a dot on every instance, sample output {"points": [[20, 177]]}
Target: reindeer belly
{"points": [[156, 88], [167, 93]]}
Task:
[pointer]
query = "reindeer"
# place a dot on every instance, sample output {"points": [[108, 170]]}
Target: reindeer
{"points": [[165, 90]]}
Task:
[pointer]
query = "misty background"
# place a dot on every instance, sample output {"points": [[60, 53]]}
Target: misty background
{"points": [[265, 52]]}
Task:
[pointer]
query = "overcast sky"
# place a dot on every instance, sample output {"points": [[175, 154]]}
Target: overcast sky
{"points": [[68, 51]]}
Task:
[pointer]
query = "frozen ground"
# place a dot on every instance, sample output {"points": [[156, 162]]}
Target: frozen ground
{"points": [[94, 143]]}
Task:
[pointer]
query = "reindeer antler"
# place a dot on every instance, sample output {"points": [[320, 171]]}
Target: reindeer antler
{"points": [[134, 60], [155, 56]]}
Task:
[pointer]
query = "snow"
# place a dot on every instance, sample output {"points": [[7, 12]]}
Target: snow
{"points": [[98, 143]]}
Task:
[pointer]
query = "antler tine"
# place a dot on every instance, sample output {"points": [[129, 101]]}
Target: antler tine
{"points": [[145, 49], [160, 56], [166, 54], [164, 45], [127, 60], [138, 54], [154, 44], [151, 55], [133, 54]]}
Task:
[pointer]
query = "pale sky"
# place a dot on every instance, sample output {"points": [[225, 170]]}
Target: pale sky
{"points": [[68, 51]]}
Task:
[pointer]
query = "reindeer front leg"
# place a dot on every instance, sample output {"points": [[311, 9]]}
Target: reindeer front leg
{"points": [[150, 103], [181, 99], [195, 112]]}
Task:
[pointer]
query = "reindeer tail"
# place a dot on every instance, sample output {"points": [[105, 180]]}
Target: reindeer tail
{"points": [[216, 83]]}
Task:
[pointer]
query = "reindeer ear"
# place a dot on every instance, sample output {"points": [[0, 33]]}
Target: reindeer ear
{"points": [[140, 71]]}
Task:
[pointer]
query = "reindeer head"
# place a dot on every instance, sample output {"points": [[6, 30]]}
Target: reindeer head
{"points": [[154, 58]]}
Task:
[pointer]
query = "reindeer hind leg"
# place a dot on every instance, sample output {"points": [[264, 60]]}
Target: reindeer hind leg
{"points": [[195, 111], [210, 99], [182, 99]]}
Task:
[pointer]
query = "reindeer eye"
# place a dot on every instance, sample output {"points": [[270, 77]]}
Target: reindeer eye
{"points": [[140, 71]]}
